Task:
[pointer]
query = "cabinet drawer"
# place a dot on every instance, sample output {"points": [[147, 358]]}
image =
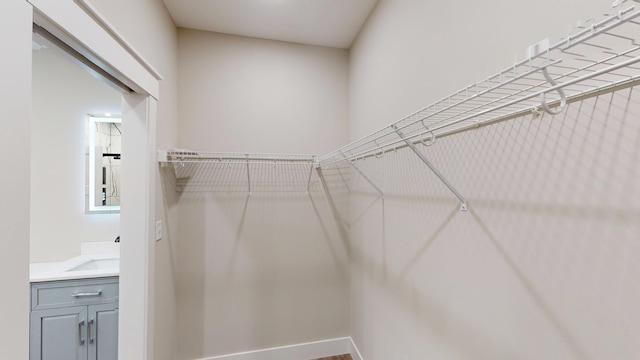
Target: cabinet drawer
{"points": [[54, 294]]}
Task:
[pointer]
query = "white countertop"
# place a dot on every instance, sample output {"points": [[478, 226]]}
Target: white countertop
{"points": [[59, 270]]}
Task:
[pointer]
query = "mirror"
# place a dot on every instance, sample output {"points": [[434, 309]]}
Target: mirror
{"points": [[104, 138]]}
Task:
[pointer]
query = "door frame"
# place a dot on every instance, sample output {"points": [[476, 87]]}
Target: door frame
{"points": [[84, 29]]}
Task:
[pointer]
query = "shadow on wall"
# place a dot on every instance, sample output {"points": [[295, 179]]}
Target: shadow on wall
{"points": [[543, 264], [262, 270]]}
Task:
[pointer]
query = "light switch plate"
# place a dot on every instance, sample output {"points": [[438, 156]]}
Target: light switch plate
{"points": [[158, 230]]}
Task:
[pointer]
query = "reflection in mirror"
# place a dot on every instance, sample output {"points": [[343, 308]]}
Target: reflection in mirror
{"points": [[104, 142]]}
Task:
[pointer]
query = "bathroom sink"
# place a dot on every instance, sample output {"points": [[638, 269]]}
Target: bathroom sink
{"points": [[97, 264]]}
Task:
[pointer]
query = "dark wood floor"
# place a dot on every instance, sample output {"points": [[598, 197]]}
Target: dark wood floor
{"points": [[339, 357]]}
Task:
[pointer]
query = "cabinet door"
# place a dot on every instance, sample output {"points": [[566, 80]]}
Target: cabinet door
{"points": [[59, 334], [103, 331]]}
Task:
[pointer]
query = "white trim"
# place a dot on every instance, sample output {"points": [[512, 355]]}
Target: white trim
{"points": [[311, 350], [84, 29], [355, 353], [135, 337], [116, 35], [15, 140]]}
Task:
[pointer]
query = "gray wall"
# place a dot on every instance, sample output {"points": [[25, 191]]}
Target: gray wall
{"points": [[270, 269], [249, 95], [540, 267]]}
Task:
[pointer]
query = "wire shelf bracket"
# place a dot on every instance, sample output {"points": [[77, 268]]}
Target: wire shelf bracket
{"points": [[463, 201], [248, 175], [314, 164], [363, 175]]}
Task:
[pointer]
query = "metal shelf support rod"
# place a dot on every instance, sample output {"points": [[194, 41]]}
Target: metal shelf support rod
{"points": [[463, 201], [248, 175], [363, 175], [314, 163]]}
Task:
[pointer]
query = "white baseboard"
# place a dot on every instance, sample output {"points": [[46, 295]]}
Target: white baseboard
{"points": [[306, 351], [355, 353]]}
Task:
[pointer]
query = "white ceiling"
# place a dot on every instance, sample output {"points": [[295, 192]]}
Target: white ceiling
{"points": [[333, 23]]}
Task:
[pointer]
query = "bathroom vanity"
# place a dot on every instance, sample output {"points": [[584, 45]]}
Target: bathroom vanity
{"points": [[74, 309]]}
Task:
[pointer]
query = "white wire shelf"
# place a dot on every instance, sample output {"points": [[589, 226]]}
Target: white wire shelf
{"points": [[201, 171], [600, 57], [192, 156]]}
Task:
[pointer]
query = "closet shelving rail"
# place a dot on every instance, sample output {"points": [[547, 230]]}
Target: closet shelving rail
{"points": [[197, 171], [181, 157]]}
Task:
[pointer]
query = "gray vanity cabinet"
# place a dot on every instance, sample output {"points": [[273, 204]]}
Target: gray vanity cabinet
{"points": [[103, 340], [59, 333], [74, 320]]}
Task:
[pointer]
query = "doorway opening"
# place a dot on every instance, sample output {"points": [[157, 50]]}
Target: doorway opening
{"points": [[110, 61]]}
